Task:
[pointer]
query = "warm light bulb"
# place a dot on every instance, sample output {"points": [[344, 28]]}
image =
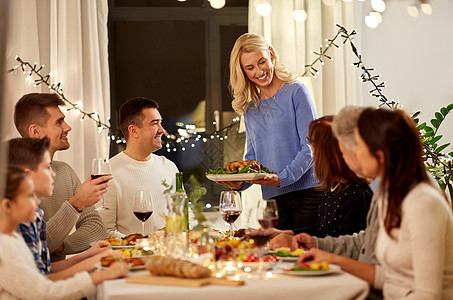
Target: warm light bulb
{"points": [[300, 15], [217, 4], [377, 15], [263, 7], [371, 21], [378, 5], [426, 8], [412, 10]]}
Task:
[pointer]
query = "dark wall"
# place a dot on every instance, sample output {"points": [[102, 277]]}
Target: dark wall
{"points": [[161, 60]]}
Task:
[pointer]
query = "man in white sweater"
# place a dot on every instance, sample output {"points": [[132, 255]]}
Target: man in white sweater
{"points": [[137, 168], [38, 115]]}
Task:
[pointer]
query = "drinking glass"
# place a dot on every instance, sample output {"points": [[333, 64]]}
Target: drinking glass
{"points": [[101, 167], [230, 207], [143, 207], [267, 216]]}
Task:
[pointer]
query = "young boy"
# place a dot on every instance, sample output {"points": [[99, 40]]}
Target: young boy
{"points": [[33, 156]]}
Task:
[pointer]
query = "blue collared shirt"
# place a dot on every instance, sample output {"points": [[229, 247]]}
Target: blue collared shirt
{"points": [[34, 234]]}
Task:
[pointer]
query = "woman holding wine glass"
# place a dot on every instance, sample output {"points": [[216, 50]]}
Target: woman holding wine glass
{"points": [[230, 207], [143, 207]]}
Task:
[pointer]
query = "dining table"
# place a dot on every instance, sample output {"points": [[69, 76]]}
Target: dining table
{"points": [[336, 285]]}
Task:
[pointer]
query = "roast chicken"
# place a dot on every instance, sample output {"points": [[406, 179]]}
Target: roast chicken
{"points": [[233, 166]]}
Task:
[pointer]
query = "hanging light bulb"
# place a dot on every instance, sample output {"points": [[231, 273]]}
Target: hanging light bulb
{"points": [[371, 22], [377, 15], [263, 7], [378, 5], [412, 10], [426, 8], [300, 15], [217, 4]]}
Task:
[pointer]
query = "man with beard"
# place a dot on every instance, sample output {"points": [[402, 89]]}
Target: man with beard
{"points": [[137, 168], [38, 115]]}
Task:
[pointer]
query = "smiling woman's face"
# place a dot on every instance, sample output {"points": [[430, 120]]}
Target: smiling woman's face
{"points": [[258, 67]]}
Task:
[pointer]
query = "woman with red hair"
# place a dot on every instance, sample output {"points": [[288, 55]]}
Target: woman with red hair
{"points": [[346, 197]]}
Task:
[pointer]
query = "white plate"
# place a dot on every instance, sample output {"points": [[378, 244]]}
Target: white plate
{"points": [[289, 258], [116, 246], [332, 269], [122, 246], [235, 177]]}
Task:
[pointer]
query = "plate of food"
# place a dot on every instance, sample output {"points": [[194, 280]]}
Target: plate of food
{"points": [[235, 177], [134, 253], [125, 242], [311, 269], [254, 262], [240, 170], [135, 263], [285, 254]]}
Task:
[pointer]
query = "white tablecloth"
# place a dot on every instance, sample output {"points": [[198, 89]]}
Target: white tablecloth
{"points": [[333, 286]]}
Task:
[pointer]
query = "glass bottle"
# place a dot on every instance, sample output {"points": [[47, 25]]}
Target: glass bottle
{"points": [[176, 239], [181, 191]]}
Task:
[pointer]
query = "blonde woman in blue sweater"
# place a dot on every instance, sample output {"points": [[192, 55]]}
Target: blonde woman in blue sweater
{"points": [[277, 111]]}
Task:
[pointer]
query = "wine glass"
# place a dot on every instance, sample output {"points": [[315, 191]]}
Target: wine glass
{"points": [[267, 215], [143, 207], [230, 207], [101, 167]]}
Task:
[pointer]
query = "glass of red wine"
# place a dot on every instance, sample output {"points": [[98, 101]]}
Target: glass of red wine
{"points": [[230, 206], [267, 215], [100, 167], [143, 207]]}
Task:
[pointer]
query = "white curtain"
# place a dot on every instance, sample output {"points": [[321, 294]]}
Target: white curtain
{"points": [[70, 38], [338, 82]]}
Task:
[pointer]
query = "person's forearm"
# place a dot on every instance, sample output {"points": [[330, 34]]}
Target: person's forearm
{"points": [[64, 264], [67, 268], [356, 268]]}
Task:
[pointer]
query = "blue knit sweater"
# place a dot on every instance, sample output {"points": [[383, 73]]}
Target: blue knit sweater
{"points": [[279, 141]]}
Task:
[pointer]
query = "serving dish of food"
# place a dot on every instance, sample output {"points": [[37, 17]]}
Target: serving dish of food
{"points": [[125, 242], [285, 254], [241, 170], [311, 269], [135, 263]]}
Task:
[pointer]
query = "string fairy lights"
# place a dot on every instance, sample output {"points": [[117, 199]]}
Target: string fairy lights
{"points": [[187, 136], [438, 163], [35, 71], [366, 76], [186, 133]]}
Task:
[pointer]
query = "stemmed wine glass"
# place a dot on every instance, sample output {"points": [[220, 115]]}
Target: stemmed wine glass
{"points": [[101, 167], [267, 215], [143, 207], [230, 207]]}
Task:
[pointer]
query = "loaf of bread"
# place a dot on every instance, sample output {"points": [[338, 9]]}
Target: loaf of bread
{"points": [[168, 266]]}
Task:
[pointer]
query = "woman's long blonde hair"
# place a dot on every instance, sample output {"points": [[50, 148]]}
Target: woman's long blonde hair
{"points": [[242, 89]]}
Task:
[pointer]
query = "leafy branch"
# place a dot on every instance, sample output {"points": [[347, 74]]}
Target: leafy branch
{"points": [[437, 163]]}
